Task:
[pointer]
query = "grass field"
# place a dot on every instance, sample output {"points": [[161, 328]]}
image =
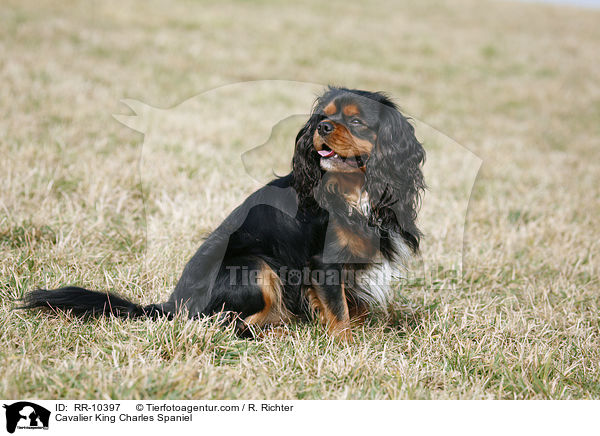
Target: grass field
{"points": [[516, 84]]}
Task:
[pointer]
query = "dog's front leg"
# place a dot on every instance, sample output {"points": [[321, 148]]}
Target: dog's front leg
{"points": [[327, 298]]}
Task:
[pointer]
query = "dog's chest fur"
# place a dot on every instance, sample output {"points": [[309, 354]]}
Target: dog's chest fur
{"points": [[371, 278], [373, 283]]}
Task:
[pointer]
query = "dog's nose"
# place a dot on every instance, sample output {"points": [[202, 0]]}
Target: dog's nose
{"points": [[325, 127]]}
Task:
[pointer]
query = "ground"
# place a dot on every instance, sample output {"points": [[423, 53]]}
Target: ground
{"points": [[517, 84]]}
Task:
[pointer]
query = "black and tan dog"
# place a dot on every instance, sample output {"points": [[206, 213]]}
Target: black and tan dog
{"points": [[355, 188]]}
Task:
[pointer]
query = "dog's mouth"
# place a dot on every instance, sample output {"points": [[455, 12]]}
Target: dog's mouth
{"points": [[331, 161]]}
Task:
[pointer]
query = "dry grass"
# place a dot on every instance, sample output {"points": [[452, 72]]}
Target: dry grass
{"points": [[517, 84]]}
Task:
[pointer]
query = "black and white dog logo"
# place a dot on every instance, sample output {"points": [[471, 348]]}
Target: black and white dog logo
{"points": [[26, 415]]}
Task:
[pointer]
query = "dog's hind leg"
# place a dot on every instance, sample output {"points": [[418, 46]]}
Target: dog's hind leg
{"points": [[249, 288], [274, 311]]}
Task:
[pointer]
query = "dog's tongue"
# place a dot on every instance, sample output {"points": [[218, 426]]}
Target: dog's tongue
{"points": [[326, 153]]}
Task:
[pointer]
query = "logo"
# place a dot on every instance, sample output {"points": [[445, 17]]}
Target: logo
{"points": [[26, 415]]}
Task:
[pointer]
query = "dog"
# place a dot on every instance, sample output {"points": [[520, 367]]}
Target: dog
{"points": [[322, 242]]}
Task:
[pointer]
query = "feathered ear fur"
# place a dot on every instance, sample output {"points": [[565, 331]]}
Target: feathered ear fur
{"points": [[394, 180], [306, 170]]}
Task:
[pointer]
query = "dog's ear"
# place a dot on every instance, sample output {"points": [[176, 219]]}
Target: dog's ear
{"points": [[394, 180], [306, 170]]}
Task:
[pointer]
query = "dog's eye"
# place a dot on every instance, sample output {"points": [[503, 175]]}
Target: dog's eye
{"points": [[356, 122]]}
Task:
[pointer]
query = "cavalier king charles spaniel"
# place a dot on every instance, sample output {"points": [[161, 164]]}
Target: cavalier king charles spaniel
{"points": [[323, 241]]}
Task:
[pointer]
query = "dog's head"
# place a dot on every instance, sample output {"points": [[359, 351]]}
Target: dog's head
{"points": [[363, 135]]}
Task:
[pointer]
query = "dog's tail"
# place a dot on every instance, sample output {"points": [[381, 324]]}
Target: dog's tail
{"points": [[83, 302]]}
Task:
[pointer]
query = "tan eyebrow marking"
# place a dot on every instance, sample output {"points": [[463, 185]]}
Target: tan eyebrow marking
{"points": [[350, 110], [330, 109]]}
